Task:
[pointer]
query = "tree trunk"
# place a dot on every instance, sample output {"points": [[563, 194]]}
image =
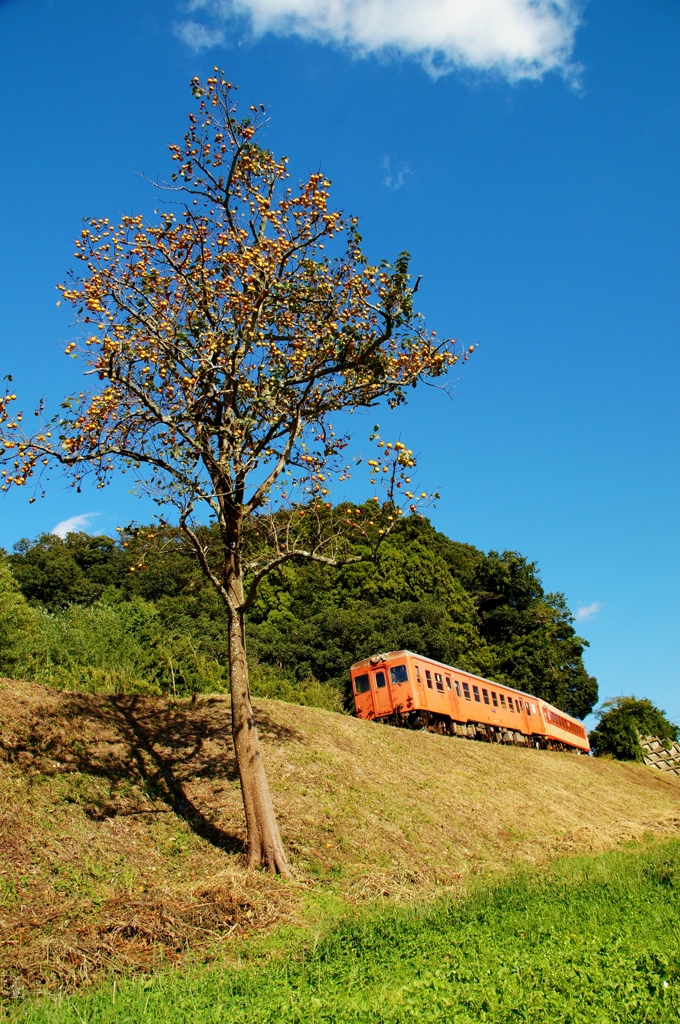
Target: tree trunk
{"points": [[265, 848]]}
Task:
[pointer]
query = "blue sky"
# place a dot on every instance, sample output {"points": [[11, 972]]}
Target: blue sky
{"points": [[528, 157]]}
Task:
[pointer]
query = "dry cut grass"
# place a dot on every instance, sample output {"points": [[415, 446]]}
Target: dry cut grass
{"points": [[122, 839]]}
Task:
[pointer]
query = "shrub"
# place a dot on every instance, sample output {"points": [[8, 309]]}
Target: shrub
{"points": [[268, 681], [621, 723]]}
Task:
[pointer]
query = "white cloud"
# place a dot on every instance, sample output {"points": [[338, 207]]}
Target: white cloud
{"points": [[517, 38], [587, 612], [74, 524], [394, 179], [198, 36]]}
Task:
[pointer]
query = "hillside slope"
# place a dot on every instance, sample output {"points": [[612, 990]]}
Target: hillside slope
{"points": [[121, 828]]}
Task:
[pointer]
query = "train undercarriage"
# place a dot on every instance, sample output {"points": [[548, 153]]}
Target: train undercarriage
{"points": [[430, 721]]}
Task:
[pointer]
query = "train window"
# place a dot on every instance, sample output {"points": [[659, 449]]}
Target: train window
{"points": [[448, 683], [502, 696], [510, 704], [418, 675], [533, 708], [528, 707], [494, 698], [458, 688], [485, 695], [361, 684], [380, 680], [439, 681], [398, 675], [466, 691], [428, 676], [475, 690]]}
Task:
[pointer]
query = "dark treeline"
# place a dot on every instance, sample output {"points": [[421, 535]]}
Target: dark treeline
{"points": [[135, 614]]}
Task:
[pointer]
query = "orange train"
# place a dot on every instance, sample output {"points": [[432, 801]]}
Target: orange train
{"points": [[402, 688]]}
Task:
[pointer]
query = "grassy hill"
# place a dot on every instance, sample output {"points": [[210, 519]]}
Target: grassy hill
{"points": [[121, 831]]}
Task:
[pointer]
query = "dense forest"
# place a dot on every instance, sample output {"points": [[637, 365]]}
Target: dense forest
{"points": [[136, 615]]}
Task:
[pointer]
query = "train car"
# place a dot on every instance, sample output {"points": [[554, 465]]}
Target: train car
{"points": [[406, 689]]}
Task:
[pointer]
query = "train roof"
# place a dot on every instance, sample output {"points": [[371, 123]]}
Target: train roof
{"points": [[462, 671]]}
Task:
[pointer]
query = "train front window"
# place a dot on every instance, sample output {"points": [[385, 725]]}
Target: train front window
{"points": [[475, 690], [380, 680], [398, 675], [439, 682], [361, 684], [466, 691], [485, 695]]}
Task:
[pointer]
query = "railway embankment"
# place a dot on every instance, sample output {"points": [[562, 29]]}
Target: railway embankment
{"points": [[121, 827]]}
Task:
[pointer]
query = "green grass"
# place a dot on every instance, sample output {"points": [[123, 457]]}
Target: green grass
{"points": [[594, 940]]}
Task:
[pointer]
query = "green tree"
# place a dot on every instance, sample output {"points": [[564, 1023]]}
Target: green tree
{"points": [[622, 721], [17, 624], [530, 634], [76, 570]]}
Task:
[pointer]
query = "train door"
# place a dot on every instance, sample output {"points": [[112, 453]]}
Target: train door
{"points": [[524, 726], [454, 695], [420, 688], [381, 692]]}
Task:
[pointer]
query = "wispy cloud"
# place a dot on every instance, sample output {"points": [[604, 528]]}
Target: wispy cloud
{"points": [[587, 611], [394, 179], [515, 38], [75, 524], [198, 36]]}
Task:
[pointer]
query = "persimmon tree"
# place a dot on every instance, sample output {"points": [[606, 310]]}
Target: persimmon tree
{"points": [[218, 342]]}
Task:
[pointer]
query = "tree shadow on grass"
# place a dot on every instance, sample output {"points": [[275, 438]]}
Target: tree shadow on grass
{"points": [[161, 747]]}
